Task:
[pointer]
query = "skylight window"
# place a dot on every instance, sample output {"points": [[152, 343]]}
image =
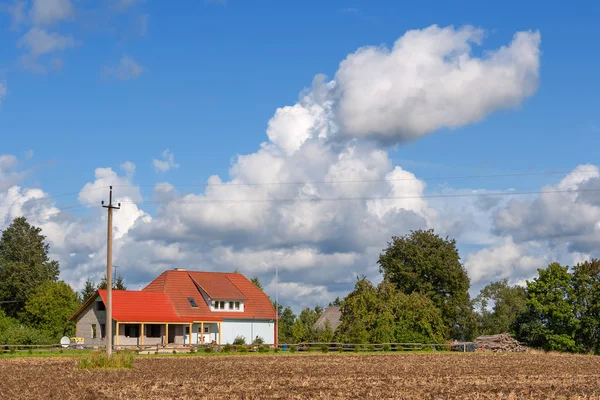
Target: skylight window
{"points": [[192, 302]]}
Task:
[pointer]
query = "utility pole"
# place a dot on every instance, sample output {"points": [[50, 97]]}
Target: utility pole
{"points": [[276, 305], [109, 329]]}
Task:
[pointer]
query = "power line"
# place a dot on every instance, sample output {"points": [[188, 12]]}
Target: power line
{"points": [[454, 195], [507, 175], [49, 197]]}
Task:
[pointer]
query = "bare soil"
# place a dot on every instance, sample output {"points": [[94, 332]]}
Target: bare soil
{"points": [[331, 376]]}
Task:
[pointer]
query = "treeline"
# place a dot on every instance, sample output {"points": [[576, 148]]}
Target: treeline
{"points": [[424, 297], [34, 305]]}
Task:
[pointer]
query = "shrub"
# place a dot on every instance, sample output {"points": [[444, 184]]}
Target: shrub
{"points": [[258, 341], [357, 348], [243, 349], [386, 347], [99, 360], [276, 349], [371, 347], [226, 348], [340, 348], [208, 349], [293, 349], [239, 341], [264, 348], [174, 351], [325, 348]]}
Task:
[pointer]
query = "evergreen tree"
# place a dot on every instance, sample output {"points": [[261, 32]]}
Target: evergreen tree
{"points": [[88, 290]]}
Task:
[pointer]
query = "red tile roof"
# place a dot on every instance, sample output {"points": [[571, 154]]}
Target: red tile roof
{"points": [[166, 298], [136, 306], [217, 286]]}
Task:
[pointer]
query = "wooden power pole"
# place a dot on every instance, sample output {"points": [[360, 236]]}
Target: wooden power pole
{"points": [[108, 323]]}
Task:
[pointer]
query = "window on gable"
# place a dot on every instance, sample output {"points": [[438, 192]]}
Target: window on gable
{"points": [[237, 305], [231, 305], [222, 305], [192, 302], [94, 331]]}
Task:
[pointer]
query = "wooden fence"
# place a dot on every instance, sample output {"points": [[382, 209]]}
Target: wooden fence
{"points": [[286, 347]]}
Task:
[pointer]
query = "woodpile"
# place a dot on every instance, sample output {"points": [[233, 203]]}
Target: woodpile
{"points": [[499, 343]]}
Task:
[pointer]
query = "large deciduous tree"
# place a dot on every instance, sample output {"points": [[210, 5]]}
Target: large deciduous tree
{"points": [[425, 263], [49, 308], [550, 321], [508, 304], [586, 302], [383, 314], [24, 264]]}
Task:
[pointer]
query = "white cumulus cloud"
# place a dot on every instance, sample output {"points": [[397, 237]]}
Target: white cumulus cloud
{"points": [[46, 12], [166, 162], [126, 69]]}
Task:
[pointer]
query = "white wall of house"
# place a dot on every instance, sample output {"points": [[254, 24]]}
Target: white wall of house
{"points": [[250, 329], [213, 333]]}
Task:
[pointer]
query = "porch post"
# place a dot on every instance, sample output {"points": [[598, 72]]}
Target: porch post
{"points": [[117, 334], [202, 332], [166, 334], [220, 329], [190, 336], [143, 333]]}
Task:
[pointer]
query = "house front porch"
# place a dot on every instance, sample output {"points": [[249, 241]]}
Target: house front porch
{"points": [[167, 333]]}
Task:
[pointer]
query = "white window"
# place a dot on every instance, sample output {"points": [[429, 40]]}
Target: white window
{"points": [[237, 305], [231, 305], [222, 305]]}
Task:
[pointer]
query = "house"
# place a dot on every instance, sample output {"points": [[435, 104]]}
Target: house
{"points": [[333, 315], [180, 307]]}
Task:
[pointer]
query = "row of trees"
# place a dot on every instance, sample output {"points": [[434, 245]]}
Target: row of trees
{"points": [[424, 297]]}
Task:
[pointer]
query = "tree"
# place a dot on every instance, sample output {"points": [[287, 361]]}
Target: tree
{"points": [[287, 318], [336, 303], [508, 303], [382, 314], [257, 283], [49, 308], [586, 302], [298, 331], [88, 290], [427, 264], [24, 264], [550, 321], [118, 283]]}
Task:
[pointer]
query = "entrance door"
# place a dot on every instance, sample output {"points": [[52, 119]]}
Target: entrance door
{"points": [[171, 334], [206, 334], [186, 335]]}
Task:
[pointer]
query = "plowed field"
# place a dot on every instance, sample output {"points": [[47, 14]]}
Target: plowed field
{"points": [[401, 376]]}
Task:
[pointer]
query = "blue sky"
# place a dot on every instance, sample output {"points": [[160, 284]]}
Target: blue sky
{"points": [[204, 78]]}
